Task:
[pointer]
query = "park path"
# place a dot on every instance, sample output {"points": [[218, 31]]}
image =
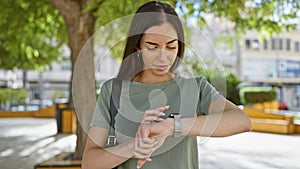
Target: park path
{"points": [[25, 142]]}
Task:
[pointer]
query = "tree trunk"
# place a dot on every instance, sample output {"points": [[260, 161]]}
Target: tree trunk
{"points": [[80, 27]]}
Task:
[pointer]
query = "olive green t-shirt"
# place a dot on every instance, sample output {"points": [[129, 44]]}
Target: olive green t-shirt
{"points": [[189, 96]]}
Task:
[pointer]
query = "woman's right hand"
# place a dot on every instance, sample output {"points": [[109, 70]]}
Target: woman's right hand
{"points": [[144, 144]]}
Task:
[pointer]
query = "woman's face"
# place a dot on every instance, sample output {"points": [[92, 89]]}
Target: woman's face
{"points": [[159, 48]]}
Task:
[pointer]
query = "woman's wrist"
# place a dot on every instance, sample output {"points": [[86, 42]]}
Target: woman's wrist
{"points": [[165, 127], [170, 126], [130, 147]]}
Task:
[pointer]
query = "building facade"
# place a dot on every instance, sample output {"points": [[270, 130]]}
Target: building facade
{"points": [[54, 82], [274, 62]]}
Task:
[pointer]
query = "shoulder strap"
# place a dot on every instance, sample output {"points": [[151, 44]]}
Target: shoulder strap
{"points": [[114, 106]]}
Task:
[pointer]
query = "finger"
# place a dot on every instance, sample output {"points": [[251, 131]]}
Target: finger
{"points": [[145, 146], [137, 140], [144, 131], [163, 108], [145, 149], [151, 119], [140, 155], [157, 111], [140, 163], [149, 140], [149, 145]]}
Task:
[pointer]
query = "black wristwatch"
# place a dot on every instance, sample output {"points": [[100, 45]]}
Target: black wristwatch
{"points": [[177, 124]]}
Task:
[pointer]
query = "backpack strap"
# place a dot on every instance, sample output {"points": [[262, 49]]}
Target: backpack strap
{"points": [[114, 106]]}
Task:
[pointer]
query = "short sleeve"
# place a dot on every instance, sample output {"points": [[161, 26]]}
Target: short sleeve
{"points": [[101, 116], [207, 94]]}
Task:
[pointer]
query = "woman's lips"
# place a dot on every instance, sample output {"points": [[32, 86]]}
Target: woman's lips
{"points": [[161, 67]]}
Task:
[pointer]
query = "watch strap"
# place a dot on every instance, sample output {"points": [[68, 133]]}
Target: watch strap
{"points": [[177, 126]]}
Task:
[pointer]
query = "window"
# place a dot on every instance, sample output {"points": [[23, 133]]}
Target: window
{"points": [[265, 44], [288, 44], [280, 44], [248, 44], [255, 44], [273, 43], [277, 44], [297, 47]]}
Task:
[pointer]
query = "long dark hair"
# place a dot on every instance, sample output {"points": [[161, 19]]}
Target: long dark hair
{"points": [[150, 14]]}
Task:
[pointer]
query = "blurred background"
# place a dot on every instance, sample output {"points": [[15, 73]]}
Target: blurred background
{"points": [[252, 45]]}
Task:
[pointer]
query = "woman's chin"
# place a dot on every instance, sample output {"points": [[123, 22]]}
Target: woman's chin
{"points": [[158, 72], [161, 72]]}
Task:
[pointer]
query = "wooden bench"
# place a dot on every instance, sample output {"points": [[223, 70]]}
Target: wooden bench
{"points": [[47, 112], [272, 123]]}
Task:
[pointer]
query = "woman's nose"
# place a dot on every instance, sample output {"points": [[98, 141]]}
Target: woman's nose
{"points": [[163, 55]]}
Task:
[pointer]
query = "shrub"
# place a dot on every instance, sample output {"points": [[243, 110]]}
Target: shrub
{"points": [[13, 96]]}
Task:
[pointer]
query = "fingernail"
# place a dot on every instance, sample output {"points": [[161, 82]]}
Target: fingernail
{"points": [[162, 114], [138, 167], [167, 106], [148, 159], [160, 119]]}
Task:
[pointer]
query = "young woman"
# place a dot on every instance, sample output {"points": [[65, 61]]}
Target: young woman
{"points": [[160, 113]]}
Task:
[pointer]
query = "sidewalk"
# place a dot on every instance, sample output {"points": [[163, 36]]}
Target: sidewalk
{"points": [[251, 151], [29, 141], [25, 142]]}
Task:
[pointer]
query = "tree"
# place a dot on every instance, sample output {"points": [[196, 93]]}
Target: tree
{"points": [[31, 34], [81, 17], [265, 16]]}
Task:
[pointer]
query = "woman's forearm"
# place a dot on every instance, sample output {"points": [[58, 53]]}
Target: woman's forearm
{"points": [[223, 119], [217, 125], [213, 125], [98, 158]]}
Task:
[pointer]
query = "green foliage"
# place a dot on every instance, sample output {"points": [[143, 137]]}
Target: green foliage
{"points": [[267, 16], [113, 10], [31, 33], [257, 94], [228, 41], [116, 9], [224, 81], [13, 96], [116, 21], [59, 94]]}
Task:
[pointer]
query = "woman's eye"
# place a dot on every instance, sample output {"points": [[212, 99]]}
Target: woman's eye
{"points": [[151, 48], [171, 47]]}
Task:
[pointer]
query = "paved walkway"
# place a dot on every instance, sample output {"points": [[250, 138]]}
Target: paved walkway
{"points": [[25, 142], [251, 151]]}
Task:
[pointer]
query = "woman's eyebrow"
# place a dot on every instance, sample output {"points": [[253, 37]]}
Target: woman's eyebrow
{"points": [[153, 43], [172, 41]]}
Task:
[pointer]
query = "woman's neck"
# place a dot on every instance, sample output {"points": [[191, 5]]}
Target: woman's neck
{"points": [[149, 77]]}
